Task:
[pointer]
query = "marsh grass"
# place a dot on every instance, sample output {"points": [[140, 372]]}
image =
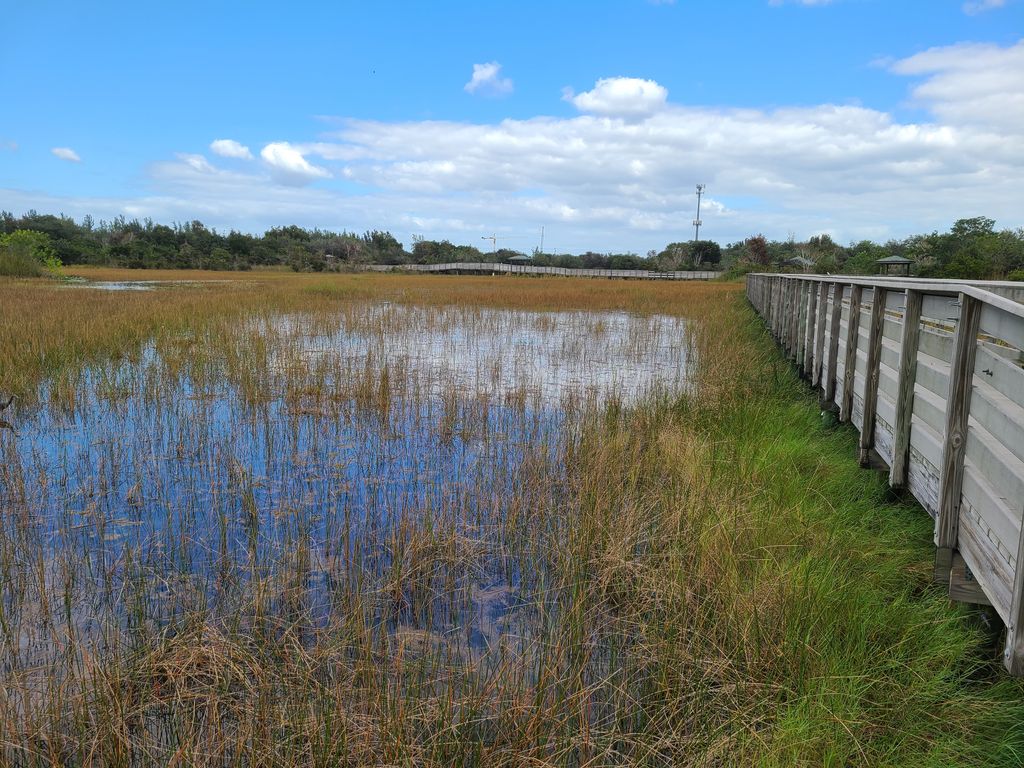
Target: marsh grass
{"points": [[277, 550]]}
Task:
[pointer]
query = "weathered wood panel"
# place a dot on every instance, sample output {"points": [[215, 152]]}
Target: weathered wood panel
{"points": [[932, 375]]}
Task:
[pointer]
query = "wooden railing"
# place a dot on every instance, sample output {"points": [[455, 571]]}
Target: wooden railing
{"points": [[930, 373], [531, 269]]}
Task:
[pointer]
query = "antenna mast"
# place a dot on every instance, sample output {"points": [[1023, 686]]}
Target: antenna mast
{"points": [[697, 222]]}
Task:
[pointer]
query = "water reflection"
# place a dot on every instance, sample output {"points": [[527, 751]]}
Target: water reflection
{"points": [[379, 463]]}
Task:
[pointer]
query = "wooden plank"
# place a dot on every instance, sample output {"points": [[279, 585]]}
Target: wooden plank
{"points": [[1013, 654], [905, 390], [833, 344], [997, 322], [850, 363], [989, 567], [963, 586], [958, 408], [873, 371], [819, 332]]}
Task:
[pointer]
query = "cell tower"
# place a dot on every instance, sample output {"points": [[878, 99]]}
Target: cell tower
{"points": [[697, 222]]}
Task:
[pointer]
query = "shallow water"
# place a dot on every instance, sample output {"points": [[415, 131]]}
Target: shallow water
{"points": [[322, 461]]}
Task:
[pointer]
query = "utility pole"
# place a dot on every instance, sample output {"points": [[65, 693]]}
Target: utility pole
{"points": [[542, 241], [697, 222], [494, 241]]}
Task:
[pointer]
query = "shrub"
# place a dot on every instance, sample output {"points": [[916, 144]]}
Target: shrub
{"points": [[25, 253]]}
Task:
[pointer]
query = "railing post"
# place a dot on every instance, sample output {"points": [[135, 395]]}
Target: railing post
{"points": [[794, 326], [850, 363], [812, 313], [801, 326], [909, 340], [776, 301], [819, 332], [954, 444], [833, 343], [788, 325], [867, 431]]}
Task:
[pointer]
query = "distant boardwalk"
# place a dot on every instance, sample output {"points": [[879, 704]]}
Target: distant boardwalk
{"points": [[475, 267], [932, 375]]}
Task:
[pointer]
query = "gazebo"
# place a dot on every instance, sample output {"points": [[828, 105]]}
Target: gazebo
{"points": [[894, 265]]}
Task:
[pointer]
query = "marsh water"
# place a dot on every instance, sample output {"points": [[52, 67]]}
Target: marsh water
{"points": [[383, 462]]}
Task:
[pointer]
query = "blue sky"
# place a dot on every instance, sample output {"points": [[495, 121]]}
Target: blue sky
{"points": [[860, 118]]}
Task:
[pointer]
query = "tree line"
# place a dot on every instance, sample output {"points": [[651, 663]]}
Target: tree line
{"points": [[972, 249], [144, 244]]}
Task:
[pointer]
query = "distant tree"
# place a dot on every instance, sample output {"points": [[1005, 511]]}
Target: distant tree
{"points": [[979, 226], [674, 256], [705, 252], [757, 250], [862, 259]]}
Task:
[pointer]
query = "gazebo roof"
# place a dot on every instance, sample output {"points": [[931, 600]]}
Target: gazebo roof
{"points": [[895, 260]]}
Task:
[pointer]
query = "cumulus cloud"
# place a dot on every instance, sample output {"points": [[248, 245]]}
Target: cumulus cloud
{"points": [[625, 97], [978, 84], [974, 7], [627, 184], [66, 153], [487, 80], [230, 148], [288, 164]]}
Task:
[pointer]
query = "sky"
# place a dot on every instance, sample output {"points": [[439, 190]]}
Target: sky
{"points": [[861, 119]]}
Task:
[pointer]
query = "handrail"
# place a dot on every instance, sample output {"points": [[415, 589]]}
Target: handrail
{"points": [[934, 287], [474, 266]]}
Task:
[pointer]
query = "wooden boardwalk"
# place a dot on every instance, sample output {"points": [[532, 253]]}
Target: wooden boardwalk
{"points": [[475, 267], [930, 373]]}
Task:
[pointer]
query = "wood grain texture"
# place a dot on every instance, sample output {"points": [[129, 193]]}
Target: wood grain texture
{"points": [[909, 340], [958, 408]]}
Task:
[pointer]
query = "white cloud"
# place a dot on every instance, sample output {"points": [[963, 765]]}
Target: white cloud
{"points": [[625, 97], [487, 80], [621, 184], [977, 84], [974, 7], [66, 153], [196, 162], [230, 148], [289, 166]]}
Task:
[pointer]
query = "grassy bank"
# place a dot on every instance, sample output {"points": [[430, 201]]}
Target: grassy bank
{"points": [[704, 577]]}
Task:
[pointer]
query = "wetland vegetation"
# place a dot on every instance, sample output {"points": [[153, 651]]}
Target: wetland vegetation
{"points": [[381, 520]]}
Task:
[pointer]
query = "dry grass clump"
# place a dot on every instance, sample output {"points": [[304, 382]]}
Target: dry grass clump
{"points": [[344, 521]]}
